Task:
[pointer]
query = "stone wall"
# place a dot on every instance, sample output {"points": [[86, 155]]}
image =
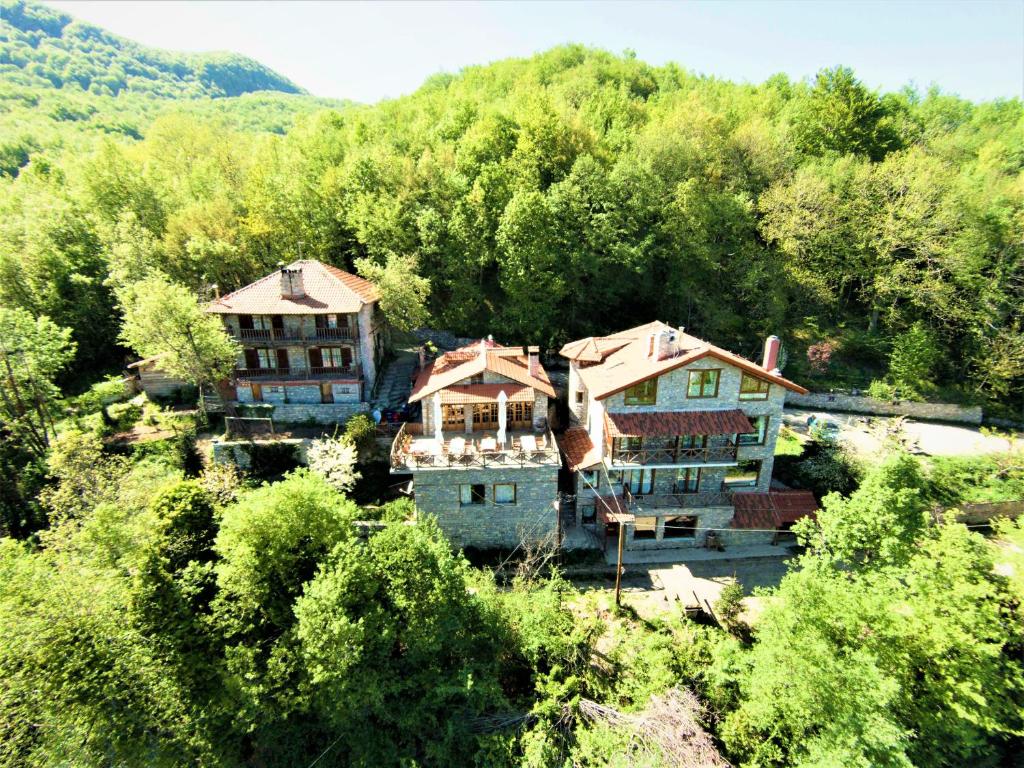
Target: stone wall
{"points": [[490, 525], [239, 452], [825, 401], [321, 413]]}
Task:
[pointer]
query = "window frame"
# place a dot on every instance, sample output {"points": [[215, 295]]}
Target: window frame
{"points": [[683, 477], [727, 485], [515, 494], [673, 529], [646, 533], [761, 392], [760, 435], [648, 396], [703, 373], [579, 397], [474, 499]]}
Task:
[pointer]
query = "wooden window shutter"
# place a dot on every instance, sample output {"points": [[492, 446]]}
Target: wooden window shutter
{"points": [[320, 320], [282, 359], [316, 358], [245, 321], [252, 360], [346, 357], [277, 322]]}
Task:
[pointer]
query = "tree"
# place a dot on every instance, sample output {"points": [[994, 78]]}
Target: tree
{"points": [[841, 115], [81, 474], [334, 459], [164, 318], [33, 351], [914, 357], [403, 292]]}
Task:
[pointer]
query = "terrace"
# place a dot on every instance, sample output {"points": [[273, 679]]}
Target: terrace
{"points": [[300, 374], [474, 451], [293, 334]]}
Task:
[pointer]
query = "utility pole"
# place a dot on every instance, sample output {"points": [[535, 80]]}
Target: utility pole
{"points": [[618, 568]]}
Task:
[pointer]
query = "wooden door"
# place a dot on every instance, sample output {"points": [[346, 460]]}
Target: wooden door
{"points": [[252, 359], [485, 417], [282, 360]]}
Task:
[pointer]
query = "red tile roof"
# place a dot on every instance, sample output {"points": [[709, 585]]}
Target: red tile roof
{"points": [[578, 449], [328, 290], [771, 510], [612, 509], [663, 423], [486, 393], [453, 367], [621, 360]]}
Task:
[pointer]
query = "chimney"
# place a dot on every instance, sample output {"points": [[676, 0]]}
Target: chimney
{"points": [[291, 283], [652, 346], [534, 362], [770, 362], [483, 349]]}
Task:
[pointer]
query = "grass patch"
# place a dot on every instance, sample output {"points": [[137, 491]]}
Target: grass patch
{"points": [[789, 443]]}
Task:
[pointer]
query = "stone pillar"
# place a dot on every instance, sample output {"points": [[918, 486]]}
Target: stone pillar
{"points": [[467, 414]]}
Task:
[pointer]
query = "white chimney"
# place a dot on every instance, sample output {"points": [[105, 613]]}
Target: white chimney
{"points": [[652, 347], [291, 283], [483, 349], [770, 361]]}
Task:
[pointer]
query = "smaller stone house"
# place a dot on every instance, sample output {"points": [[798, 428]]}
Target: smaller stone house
{"points": [[311, 341], [675, 438], [155, 381], [483, 460]]}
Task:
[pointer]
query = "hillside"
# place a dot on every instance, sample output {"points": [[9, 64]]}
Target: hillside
{"points": [[65, 84], [42, 47]]}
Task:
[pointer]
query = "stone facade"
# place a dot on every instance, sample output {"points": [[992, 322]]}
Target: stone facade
{"points": [[488, 525]]}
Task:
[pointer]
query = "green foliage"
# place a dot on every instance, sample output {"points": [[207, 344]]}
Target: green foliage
{"points": [[915, 355], [32, 352], [403, 292], [271, 460], [953, 480], [823, 466], [163, 318]]}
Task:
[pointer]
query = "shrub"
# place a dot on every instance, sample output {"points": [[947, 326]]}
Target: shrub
{"points": [[272, 459], [915, 356]]}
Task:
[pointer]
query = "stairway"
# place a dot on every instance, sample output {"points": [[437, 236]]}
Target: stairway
{"points": [[395, 383]]}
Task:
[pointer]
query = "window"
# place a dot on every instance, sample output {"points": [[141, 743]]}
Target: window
{"points": [[504, 493], [336, 357], [757, 436], [644, 393], [453, 418], [579, 397], [470, 495], [693, 441], [687, 480], [753, 388], [744, 475], [645, 528], [266, 358], [588, 513], [520, 414], [589, 478], [261, 322], [703, 384], [684, 527], [638, 481]]}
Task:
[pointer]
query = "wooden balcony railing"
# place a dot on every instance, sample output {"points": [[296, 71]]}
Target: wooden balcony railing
{"points": [[254, 334], [298, 374], [670, 455], [253, 373], [328, 370], [333, 333], [635, 501]]}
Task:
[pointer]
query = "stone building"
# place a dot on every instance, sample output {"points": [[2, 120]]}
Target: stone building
{"points": [[312, 340], [675, 438], [483, 460]]}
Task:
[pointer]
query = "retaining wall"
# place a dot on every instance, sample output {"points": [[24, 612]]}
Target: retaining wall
{"points": [[965, 414]]}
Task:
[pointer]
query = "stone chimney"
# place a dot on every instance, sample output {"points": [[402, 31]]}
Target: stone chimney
{"points": [[291, 284], [652, 346], [770, 361], [534, 362]]}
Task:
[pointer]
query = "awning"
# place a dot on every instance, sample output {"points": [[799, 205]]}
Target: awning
{"points": [[667, 423], [772, 510], [578, 449], [485, 393], [612, 509]]}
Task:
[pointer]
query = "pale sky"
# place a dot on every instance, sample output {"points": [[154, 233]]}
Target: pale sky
{"points": [[369, 51]]}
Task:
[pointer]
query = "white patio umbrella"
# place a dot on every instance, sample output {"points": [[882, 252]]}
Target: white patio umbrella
{"points": [[502, 416], [437, 418]]}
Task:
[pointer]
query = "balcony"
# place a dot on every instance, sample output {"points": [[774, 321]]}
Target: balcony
{"points": [[520, 449], [636, 502], [707, 454], [299, 374], [281, 335]]}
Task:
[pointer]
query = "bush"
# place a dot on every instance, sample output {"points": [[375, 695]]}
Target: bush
{"points": [[124, 416], [915, 356], [270, 460]]}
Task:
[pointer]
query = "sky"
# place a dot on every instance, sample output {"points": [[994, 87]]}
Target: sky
{"points": [[371, 51]]}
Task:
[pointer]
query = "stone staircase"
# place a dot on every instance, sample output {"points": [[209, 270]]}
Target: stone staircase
{"points": [[395, 384]]}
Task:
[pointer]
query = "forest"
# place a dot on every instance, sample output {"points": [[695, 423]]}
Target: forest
{"points": [[158, 611]]}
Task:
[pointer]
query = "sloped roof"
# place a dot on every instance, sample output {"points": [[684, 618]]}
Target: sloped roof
{"points": [[613, 363], [578, 449], [612, 509], [328, 290], [486, 393], [771, 510], [662, 423], [485, 355]]}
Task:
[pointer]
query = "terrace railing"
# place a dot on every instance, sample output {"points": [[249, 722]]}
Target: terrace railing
{"points": [[405, 458], [698, 500], [283, 334], [670, 455]]}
